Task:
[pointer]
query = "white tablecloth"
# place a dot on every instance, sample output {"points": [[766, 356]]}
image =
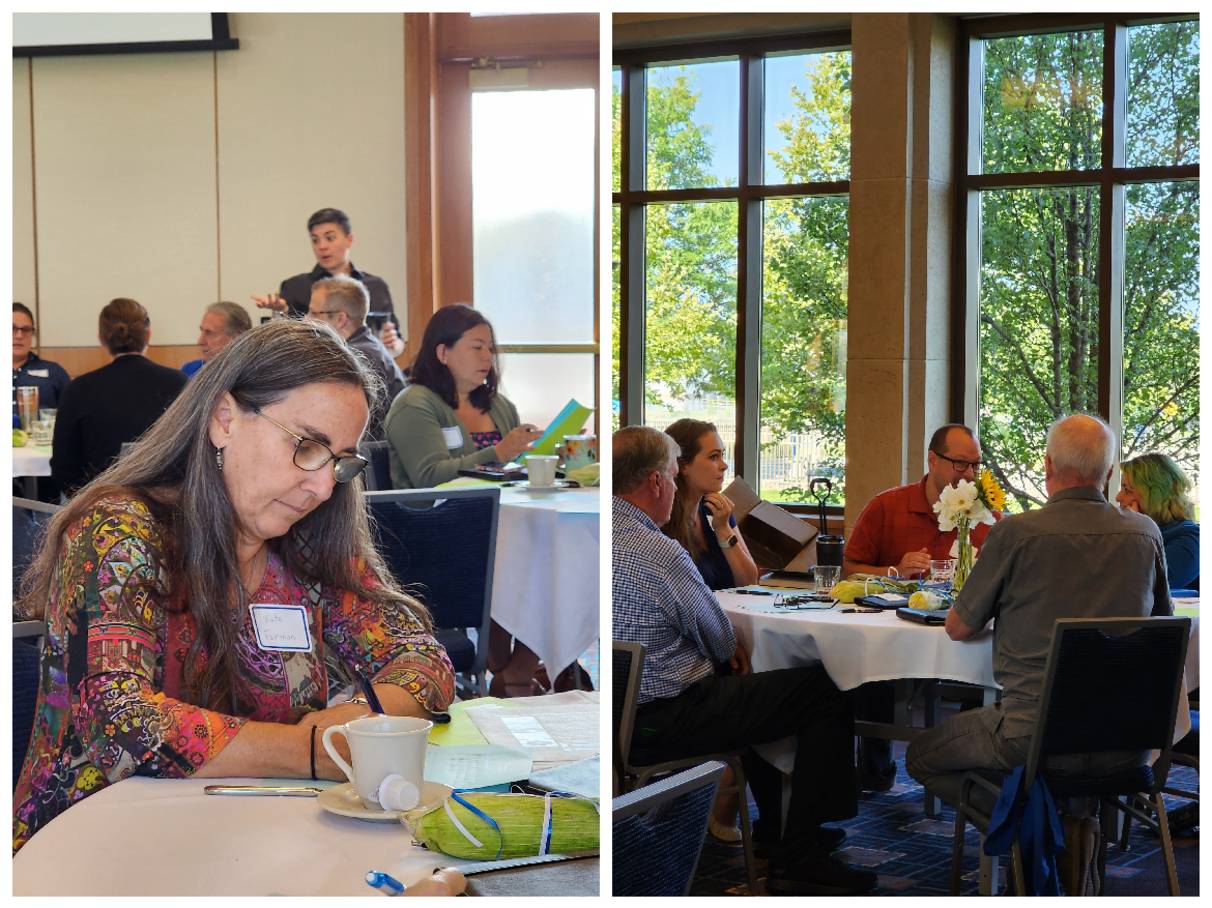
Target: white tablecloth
{"points": [[165, 837], [857, 647], [545, 585], [32, 461]]}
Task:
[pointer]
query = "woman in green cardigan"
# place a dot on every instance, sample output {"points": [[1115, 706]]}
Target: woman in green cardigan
{"points": [[451, 417]]}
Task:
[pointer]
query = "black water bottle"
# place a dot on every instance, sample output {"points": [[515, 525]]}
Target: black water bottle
{"points": [[828, 548]]}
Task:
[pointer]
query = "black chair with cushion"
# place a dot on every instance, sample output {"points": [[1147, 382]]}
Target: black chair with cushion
{"points": [[378, 472], [1110, 685], [30, 518], [658, 832], [26, 650], [441, 545], [627, 665]]}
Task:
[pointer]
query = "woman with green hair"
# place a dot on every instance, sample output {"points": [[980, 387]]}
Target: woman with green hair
{"points": [[1154, 485]]}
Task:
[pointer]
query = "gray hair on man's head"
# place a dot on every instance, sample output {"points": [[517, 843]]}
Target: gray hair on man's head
{"points": [[347, 293], [235, 317], [1082, 447], [636, 451]]}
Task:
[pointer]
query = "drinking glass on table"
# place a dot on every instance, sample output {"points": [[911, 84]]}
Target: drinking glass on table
{"points": [[827, 577], [942, 570], [27, 406]]}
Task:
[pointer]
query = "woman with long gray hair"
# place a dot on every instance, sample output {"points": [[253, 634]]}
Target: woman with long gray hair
{"points": [[241, 494]]}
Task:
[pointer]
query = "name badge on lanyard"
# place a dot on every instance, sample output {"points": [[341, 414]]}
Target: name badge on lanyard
{"points": [[281, 628]]}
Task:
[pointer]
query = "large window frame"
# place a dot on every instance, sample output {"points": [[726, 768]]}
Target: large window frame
{"points": [[749, 195], [559, 51], [1112, 178]]}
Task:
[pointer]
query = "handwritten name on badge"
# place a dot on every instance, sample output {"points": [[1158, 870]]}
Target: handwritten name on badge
{"points": [[281, 628]]}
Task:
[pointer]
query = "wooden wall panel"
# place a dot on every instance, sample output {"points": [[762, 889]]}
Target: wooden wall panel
{"points": [[125, 164], [311, 115], [25, 288]]}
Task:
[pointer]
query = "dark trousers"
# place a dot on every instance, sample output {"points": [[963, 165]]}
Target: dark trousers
{"points": [[736, 712]]}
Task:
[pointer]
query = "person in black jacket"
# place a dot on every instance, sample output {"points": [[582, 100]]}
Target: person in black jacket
{"points": [[114, 404]]}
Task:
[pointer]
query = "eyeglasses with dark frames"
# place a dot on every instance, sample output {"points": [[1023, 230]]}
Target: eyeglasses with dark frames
{"points": [[961, 465], [312, 455]]}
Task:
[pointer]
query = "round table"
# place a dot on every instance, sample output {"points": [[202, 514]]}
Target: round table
{"points": [[28, 462], [545, 583]]}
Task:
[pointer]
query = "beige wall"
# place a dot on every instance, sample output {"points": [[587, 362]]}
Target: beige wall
{"points": [[178, 179]]}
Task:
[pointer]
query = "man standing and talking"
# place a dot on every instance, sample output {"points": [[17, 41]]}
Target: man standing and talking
{"points": [[331, 240]]}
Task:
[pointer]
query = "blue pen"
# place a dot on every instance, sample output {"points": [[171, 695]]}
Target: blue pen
{"points": [[371, 700], [384, 882]]}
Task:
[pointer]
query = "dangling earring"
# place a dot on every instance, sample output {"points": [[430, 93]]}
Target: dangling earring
{"points": [[219, 459]]}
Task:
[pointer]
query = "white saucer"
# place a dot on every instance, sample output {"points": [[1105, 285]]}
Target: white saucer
{"points": [[343, 800], [561, 485]]}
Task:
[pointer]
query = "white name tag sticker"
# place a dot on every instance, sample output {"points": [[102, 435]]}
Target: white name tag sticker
{"points": [[281, 628], [39, 373], [453, 436]]}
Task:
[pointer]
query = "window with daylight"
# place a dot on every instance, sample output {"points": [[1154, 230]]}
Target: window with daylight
{"points": [[1081, 234], [731, 171]]}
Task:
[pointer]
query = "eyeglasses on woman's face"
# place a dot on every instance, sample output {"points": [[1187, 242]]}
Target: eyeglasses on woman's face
{"points": [[312, 455]]}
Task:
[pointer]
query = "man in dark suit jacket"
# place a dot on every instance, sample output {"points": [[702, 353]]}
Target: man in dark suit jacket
{"points": [[331, 240], [114, 404]]}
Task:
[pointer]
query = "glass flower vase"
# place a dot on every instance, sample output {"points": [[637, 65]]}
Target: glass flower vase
{"points": [[963, 560]]}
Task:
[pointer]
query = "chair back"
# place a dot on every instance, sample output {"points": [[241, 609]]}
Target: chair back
{"points": [[1110, 684], [627, 662], [658, 832], [30, 518], [378, 474], [441, 545], [25, 697]]}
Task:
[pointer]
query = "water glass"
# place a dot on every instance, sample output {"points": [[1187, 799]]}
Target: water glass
{"points": [[942, 570], [27, 406], [827, 577]]}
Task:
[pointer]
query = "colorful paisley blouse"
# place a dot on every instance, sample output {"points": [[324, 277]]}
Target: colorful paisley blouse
{"points": [[113, 661]]}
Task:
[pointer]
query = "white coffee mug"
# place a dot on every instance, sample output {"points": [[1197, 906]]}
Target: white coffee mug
{"points": [[381, 746], [541, 470]]}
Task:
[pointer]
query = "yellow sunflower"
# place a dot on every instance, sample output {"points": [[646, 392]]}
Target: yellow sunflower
{"points": [[991, 493]]}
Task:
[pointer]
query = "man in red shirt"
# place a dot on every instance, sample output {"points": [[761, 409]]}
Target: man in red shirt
{"points": [[898, 531]]}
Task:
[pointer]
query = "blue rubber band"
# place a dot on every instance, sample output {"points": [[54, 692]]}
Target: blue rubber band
{"points": [[483, 816]]}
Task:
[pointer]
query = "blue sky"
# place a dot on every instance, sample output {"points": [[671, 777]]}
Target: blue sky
{"points": [[718, 84]]}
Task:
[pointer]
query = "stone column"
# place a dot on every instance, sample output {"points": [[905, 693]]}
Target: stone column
{"points": [[900, 248]]}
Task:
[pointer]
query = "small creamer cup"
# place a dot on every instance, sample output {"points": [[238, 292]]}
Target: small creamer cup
{"points": [[541, 470], [381, 746]]}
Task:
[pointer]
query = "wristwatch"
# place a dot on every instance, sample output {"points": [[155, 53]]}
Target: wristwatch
{"points": [[730, 541]]}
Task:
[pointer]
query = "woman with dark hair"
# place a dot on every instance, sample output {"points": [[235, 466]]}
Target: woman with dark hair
{"points": [[241, 494], [702, 518], [102, 409], [1154, 485], [702, 522], [452, 417]]}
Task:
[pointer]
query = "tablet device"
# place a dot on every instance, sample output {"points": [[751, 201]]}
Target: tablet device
{"points": [[923, 616]]}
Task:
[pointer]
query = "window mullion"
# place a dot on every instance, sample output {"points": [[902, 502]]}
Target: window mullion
{"points": [[749, 271], [632, 249], [1111, 228]]}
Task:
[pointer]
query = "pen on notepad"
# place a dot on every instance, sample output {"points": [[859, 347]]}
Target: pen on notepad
{"points": [[756, 592]]}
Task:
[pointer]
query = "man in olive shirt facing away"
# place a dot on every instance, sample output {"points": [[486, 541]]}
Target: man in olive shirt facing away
{"points": [[1076, 557]]}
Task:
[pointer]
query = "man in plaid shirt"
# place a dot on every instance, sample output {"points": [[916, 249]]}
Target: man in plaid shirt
{"points": [[698, 697], [897, 532]]}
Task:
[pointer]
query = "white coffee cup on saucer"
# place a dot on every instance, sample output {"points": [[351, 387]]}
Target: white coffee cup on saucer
{"points": [[541, 470], [381, 747]]}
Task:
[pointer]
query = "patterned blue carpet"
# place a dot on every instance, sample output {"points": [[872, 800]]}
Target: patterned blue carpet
{"points": [[911, 852]]}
